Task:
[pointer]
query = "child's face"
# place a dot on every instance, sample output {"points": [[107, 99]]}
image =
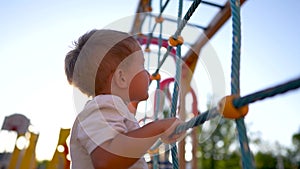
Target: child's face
{"points": [[138, 88]]}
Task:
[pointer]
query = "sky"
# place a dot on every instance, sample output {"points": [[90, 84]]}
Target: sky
{"points": [[36, 35]]}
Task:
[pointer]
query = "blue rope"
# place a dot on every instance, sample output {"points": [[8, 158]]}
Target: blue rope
{"points": [[240, 102], [157, 105], [186, 17], [156, 111], [247, 158], [181, 25], [158, 59], [174, 152], [269, 92], [236, 45], [174, 103], [198, 120], [154, 26]]}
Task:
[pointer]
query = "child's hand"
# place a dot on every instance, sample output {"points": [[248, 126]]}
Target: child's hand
{"points": [[168, 136]]}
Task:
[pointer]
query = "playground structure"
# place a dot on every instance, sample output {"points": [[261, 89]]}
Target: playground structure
{"points": [[181, 83], [23, 155], [236, 107]]}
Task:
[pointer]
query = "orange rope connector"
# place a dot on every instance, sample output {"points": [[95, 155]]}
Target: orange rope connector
{"points": [[159, 19], [152, 152], [139, 33], [174, 42], [155, 76], [227, 109], [147, 50], [148, 9]]}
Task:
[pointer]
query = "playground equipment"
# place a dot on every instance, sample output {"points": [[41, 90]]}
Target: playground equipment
{"points": [[233, 106], [182, 82], [23, 155], [60, 159]]}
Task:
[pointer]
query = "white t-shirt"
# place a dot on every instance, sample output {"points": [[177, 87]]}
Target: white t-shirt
{"points": [[101, 119]]}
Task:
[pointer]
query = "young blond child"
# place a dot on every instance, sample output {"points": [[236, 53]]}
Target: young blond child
{"points": [[108, 66]]}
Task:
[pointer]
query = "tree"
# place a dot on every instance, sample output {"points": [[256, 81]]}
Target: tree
{"points": [[218, 150], [294, 152], [265, 160]]}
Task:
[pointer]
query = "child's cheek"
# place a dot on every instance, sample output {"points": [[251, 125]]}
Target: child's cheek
{"points": [[138, 89]]}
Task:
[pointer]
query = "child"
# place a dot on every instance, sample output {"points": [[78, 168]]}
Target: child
{"points": [[108, 65]]}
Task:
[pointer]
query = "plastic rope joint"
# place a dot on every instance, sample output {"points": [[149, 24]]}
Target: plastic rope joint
{"points": [[175, 42], [155, 76], [228, 110]]}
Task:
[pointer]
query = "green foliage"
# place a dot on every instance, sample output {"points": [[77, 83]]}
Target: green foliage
{"points": [[265, 161], [215, 151], [294, 152], [221, 151], [296, 141], [278, 156]]}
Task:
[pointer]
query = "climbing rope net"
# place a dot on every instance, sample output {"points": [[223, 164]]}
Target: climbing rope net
{"points": [[234, 106]]}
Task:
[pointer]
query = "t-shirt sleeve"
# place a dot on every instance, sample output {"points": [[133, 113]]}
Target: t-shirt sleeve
{"points": [[99, 126]]}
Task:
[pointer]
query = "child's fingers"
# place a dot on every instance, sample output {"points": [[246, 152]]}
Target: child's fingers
{"points": [[169, 136], [173, 138], [178, 137]]}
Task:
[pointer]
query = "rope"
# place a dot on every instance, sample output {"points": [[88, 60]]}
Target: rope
{"points": [[181, 25], [187, 17], [198, 120], [247, 158], [157, 95], [240, 102], [269, 92], [174, 152], [236, 45], [154, 26]]}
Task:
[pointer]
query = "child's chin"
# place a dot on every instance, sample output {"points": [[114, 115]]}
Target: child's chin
{"points": [[145, 98]]}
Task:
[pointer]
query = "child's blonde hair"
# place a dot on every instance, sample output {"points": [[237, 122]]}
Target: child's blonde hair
{"points": [[95, 57]]}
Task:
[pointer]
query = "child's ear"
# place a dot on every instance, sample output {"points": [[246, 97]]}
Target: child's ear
{"points": [[120, 78]]}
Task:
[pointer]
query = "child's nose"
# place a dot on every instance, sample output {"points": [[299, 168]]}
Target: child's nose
{"points": [[149, 75]]}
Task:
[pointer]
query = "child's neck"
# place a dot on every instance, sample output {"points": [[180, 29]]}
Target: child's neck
{"points": [[132, 106]]}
